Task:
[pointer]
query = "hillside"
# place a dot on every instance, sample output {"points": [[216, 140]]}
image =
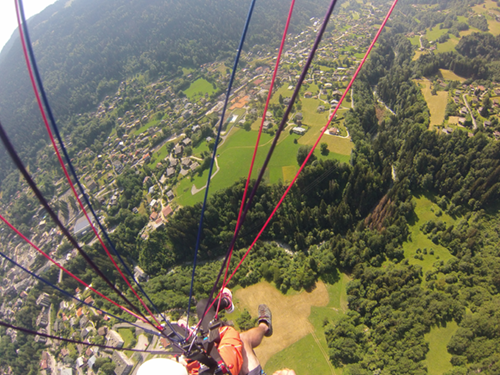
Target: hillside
{"points": [[85, 48]]}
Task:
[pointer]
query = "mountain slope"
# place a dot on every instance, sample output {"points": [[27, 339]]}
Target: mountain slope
{"points": [[82, 45]]}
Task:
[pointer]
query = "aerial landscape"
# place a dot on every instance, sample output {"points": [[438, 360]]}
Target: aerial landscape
{"points": [[370, 225]]}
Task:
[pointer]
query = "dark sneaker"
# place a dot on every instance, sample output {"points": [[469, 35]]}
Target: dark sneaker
{"points": [[266, 317]]}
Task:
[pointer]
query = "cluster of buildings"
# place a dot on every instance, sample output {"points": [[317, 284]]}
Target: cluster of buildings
{"points": [[469, 101]]}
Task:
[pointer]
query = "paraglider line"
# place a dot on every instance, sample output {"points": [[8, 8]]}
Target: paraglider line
{"points": [[17, 161], [33, 68], [30, 332], [230, 85], [64, 292], [319, 138], [278, 59], [66, 271]]}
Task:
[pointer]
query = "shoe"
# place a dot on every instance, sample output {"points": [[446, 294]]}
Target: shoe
{"points": [[266, 317], [228, 296]]}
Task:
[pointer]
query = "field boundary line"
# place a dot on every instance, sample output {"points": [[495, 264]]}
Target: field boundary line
{"points": [[323, 352]]}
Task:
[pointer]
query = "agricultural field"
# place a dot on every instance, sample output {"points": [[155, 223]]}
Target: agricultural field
{"points": [[234, 157], [307, 310], [436, 103], [198, 89], [438, 358], [286, 309], [448, 75], [314, 345], [426, 210]]}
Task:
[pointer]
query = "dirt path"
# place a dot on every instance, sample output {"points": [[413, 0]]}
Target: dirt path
{"points": [[290, 314]]}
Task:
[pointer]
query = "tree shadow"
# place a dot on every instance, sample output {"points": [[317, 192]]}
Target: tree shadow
{"points": [[413, 218], [331, 278]]}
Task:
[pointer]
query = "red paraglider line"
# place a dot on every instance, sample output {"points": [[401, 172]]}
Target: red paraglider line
{"points": [[30, 332], [42, 111], [67, 271], [278, 59], [317, 141]]}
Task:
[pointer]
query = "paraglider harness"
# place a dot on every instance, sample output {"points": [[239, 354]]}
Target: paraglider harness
{"points": [[204, 349]]}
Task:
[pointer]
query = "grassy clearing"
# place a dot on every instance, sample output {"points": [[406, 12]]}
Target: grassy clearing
{"points": [[436, 103], [487, 5], [289, 172], [435, 33], [287, 310], [438, 358], [415, 40], [311, 116], [448, 75], [314, 346], [418, 54], [425, 210], [199, 88], [158, 156], [294, 357], [202, 146], [127, 336], [146, 127], [449, 45], [494, 27]]}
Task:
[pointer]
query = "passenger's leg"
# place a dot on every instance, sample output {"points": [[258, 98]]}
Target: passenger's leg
{"points": [[251, 339]]}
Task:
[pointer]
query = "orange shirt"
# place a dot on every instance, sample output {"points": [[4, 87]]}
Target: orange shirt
{"points": [[230, 349]]}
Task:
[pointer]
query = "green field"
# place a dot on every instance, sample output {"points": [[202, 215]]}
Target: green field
{"points": [[438, 358], [199, 88], [436, 103], [158, 156], [494, 27], [294, 357], [448, 75], [201, 147], [314, 345], [425, 210], [234, 161], [145, 127], [127, 336], [449, 45], [435, 33]]}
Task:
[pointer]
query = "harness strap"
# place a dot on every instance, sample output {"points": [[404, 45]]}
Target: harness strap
{"points": [[207, 353]]}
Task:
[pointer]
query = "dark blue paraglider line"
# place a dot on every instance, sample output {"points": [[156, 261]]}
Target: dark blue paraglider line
{"points": [[68, 159], [200, 225]]}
